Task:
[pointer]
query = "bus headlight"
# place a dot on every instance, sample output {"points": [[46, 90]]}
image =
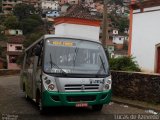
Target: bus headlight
{"points": [[107, 83], [51, 87], [49, 83]]}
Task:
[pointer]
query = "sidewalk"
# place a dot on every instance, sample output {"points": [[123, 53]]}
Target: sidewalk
{"points": [[137, 104]]}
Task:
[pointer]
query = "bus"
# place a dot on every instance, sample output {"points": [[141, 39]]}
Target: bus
{"points": [[66, 71]]}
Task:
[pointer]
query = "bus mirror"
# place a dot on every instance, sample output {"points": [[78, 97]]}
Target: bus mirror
{"points": [[38, 50]]}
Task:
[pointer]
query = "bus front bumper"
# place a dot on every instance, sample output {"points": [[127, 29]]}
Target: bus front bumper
{"points": [[50, 99]]}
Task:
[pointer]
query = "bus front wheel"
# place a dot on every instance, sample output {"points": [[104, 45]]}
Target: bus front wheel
{"points": [[97, 107], [39, 103]]}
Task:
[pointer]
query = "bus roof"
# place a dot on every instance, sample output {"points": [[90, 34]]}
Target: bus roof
{"points": [[58, 36]]}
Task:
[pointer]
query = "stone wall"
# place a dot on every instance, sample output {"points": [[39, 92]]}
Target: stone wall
{"points": [[136, 86], [4, 72]]}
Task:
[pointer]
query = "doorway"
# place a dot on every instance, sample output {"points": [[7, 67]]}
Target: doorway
{"points": [[158, 59]]}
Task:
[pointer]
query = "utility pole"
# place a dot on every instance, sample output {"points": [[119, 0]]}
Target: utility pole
{"points": [[105, 35]]}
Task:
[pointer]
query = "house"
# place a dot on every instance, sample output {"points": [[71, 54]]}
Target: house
{"points": [[118, 39], [62, 2], [52, 13], [144, 34], [34, 3], [13, 32], [47, 5], [14, 50], [115, 31], [64, 7], [74, 1], [78, 21], [8, 5], [110, 46]]}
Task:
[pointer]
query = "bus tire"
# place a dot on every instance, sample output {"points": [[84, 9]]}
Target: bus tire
{"points": [[39, 103], [97, 107]]}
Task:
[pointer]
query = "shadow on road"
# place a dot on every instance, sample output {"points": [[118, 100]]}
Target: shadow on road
{"points": [[67, 113]]}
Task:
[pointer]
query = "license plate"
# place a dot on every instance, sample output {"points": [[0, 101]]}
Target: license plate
{"points": [[82, 105]]}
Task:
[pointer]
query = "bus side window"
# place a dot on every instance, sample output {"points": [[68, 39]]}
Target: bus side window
{"points": [[40, 56], [29, 60]]}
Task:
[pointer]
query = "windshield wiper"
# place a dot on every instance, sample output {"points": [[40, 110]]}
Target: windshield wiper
{"points": [[76, 51], [102, 64], [55, 65]]}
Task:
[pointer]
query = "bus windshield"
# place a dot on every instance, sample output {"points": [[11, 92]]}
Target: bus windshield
{"points": [[74, 56]]}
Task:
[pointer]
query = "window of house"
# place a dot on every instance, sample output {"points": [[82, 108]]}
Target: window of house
{"points": [[12, 59], [18, 47], [16, 32]]}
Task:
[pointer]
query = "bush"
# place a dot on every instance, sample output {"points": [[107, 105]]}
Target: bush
{"points": [[124, 64]]}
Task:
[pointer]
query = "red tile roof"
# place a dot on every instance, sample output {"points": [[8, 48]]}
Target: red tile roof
{"points": [[145, 4], [79, 11], [16, 39]]}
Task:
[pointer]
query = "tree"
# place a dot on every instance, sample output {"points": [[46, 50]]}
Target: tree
{"points": [[0, 6], [28, 25], [124, 64], [32, 38], [22, 10], [2, 28], [36, 17], [123, 23], [2, 18], [11, 22]]}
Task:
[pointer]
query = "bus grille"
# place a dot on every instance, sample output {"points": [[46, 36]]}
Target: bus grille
{"points": [[81, 87]]}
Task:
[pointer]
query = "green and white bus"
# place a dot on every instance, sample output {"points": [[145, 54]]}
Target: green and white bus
{"points": [[66, 71]]}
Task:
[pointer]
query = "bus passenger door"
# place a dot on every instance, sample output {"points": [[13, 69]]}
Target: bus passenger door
{"points": [[34, 76]]}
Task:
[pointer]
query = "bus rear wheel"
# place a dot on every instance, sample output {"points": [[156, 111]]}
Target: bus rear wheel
{"points": [[97, 107]]}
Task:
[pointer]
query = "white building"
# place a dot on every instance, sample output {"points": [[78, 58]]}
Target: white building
{"points": [[77, 27], [115, 32], [144, 39], [14, 50], [49, 5], [78, 22], [13, 32], [118, 39]]}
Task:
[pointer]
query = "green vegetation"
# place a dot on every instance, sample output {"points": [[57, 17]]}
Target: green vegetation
{"points": [[30, 38], [124, 64], [122, 24], [119, 21], [22, 10], [0, 6], [11, 22], [118, 2]]}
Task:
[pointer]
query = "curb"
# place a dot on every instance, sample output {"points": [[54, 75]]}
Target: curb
{"points": [[136, 106]]}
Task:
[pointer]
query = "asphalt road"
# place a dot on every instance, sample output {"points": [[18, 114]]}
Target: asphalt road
{"points": [[14, 105]]}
